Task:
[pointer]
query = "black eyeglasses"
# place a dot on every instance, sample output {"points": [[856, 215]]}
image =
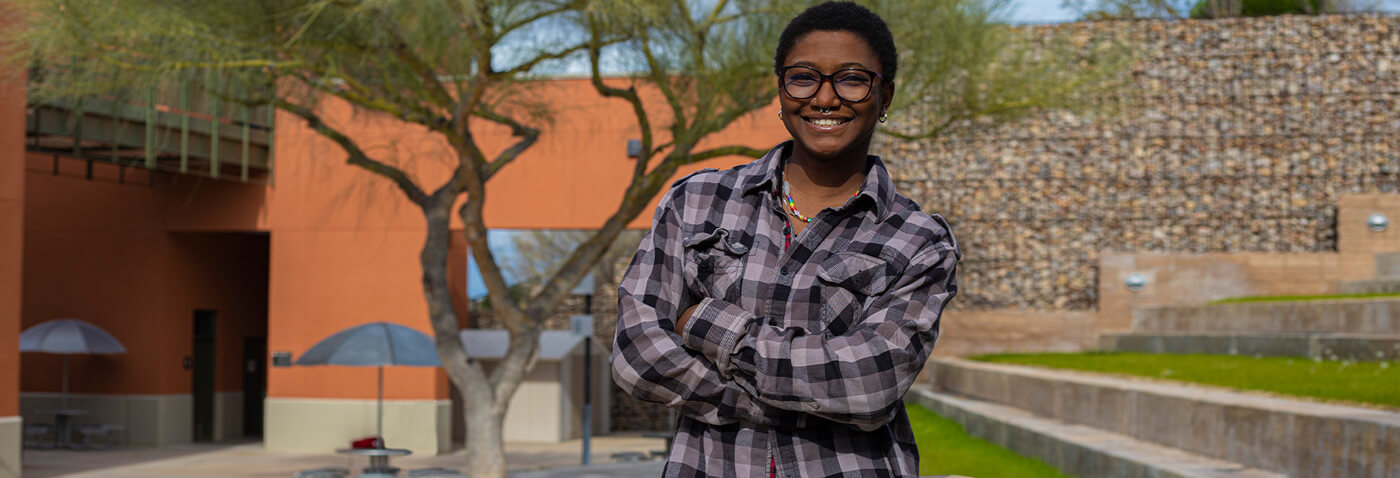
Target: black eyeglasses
{"points": [[851, 84]]}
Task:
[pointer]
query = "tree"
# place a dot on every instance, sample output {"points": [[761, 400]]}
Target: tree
{"points": [[446, 66]]}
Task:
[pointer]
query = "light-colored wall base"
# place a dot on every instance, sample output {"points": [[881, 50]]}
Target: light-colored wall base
{"points": [[149, 419], [11, 441], [323, 425], [228, 416]]}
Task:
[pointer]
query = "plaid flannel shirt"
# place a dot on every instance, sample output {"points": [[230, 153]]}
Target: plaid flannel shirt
{"points": [[801, 355]]}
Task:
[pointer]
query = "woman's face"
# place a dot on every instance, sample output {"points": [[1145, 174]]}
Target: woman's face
{"points": [[814, 132]]}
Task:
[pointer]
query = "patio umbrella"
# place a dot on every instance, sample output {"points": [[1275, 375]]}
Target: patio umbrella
{"points": [[374, 345], [68, 337]]}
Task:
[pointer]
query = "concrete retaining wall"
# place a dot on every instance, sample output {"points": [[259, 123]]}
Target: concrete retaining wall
{"points": [[1076, 450], [1286, 436], [1372, 286], [1358, 316], [1325, 346]]}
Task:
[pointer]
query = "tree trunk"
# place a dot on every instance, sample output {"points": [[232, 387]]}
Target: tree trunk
{"points": [[486, 454]]}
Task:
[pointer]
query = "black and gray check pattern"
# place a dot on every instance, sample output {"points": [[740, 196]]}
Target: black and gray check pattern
{"points": [[801, 355]]}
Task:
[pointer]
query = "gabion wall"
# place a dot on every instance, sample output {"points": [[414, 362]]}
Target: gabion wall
{"points": [[1235, 135]]}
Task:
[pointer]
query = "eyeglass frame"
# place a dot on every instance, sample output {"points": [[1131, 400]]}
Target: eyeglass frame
{"points": [[825, 78]]}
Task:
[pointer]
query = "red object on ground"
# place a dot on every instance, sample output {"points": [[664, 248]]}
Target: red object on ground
{"points": [[368, 442]]}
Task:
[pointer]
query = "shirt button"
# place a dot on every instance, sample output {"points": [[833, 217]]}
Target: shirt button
{"points": [[783, 271]]}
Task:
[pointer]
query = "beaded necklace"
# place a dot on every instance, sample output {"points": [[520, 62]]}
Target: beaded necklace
{"points": [[792, 205]]}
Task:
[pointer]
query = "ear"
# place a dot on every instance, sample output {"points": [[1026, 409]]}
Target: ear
{"points": [[886, 95]]}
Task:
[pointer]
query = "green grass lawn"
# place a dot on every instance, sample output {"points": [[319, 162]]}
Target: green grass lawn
{"points": [[1298, 298], [945, 449], [1376, 383]]}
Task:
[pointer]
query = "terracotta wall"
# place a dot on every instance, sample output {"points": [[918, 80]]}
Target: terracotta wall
{"points": [[98, 250], [345, 242], [94, 251], [12, 201], [226, 273]]}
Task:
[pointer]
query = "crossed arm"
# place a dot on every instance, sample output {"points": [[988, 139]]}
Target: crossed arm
{"points": [[726, 366]]}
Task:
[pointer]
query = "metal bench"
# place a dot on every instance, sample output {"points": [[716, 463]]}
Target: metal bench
{"points": [[629, 456], [323, 473], [107, 433], [38, 432]]}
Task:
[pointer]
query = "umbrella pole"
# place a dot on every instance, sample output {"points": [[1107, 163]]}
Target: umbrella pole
{"points": [[63, 400], [379, 427]]}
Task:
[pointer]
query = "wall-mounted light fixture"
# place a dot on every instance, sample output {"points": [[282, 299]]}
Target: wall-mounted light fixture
{"points": [[1135, 282], [281, 359], [634, 148], [1377, 222]]}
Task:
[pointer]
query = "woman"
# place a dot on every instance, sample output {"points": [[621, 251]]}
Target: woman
{"points": [[785, 306]]}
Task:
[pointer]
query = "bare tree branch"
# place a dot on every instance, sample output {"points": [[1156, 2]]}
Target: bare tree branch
{"points": [[356, 156]]}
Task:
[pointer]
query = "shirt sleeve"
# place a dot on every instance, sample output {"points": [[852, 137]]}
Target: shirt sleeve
{"points": [[648, 360], [858, 377]]}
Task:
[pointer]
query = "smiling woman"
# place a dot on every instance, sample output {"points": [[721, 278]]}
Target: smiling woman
{"points": [[787, 349]]}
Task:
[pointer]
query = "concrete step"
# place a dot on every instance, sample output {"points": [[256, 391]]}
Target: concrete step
{"points": [[1388, 285], [1348, 316], [1325, 346], [1289, 436], [1076, 450]]}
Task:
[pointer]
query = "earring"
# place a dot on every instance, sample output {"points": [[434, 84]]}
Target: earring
{"points": [[780, 114], [884, 115]]}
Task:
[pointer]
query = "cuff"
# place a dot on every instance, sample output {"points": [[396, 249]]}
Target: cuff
{"points": [[714, 330]]}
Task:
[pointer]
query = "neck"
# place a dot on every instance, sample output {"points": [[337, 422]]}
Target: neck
{"points": [[825, 179]]}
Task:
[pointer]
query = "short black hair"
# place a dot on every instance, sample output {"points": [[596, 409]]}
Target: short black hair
{"points": [[842, 16]]}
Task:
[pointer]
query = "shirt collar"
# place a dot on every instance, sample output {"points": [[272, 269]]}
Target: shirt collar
{"points": [[764, 177]]}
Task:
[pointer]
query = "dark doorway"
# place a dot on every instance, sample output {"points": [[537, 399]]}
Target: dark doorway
{"points": [[254, 385], [202, 375]]}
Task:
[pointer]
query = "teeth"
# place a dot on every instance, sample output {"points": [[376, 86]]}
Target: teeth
{"points": [[825, 121]]}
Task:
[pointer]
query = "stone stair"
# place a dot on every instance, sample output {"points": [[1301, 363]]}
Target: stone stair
{"points": [[1098, 425], [1073, 449], [1321, 345], [1345, 329], [1388, 285]]}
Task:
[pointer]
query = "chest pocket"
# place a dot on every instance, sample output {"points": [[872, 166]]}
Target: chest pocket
{"points": [[848, 279], [714, 262]]}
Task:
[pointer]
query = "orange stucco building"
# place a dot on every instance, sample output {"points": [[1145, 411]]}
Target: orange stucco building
{"points": [[202, 278]]}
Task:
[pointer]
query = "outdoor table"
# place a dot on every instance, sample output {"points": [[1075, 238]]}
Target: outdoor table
{"points": [[378, 459], [60, 423]]}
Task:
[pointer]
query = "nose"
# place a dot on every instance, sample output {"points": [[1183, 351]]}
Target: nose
{"points": [[826, 95]]}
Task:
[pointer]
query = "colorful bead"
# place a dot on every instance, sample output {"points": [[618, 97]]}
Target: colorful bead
{"points": [[792, 205]]}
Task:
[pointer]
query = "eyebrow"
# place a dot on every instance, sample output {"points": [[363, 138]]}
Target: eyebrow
{"points": [[849, 64]]}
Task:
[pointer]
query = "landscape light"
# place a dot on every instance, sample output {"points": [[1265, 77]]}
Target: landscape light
{"points": [[1377, 222], [1135, 282]]}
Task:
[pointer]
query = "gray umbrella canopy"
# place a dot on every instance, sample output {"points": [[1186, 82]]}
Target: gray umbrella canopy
{"points": [[69, 336], [372, 345]]}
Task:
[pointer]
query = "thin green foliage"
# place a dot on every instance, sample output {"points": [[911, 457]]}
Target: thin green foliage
{"points": [[1375, 383], [945, 448], [963, 67]]}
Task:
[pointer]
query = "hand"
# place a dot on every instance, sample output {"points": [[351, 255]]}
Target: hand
{"points": [[685, 317]]}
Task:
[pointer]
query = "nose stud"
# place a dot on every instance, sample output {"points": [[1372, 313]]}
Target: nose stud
{"points": [[825, 111]]}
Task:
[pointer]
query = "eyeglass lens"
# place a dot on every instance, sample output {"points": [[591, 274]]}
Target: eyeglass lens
{"points": [[802, 82]]}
